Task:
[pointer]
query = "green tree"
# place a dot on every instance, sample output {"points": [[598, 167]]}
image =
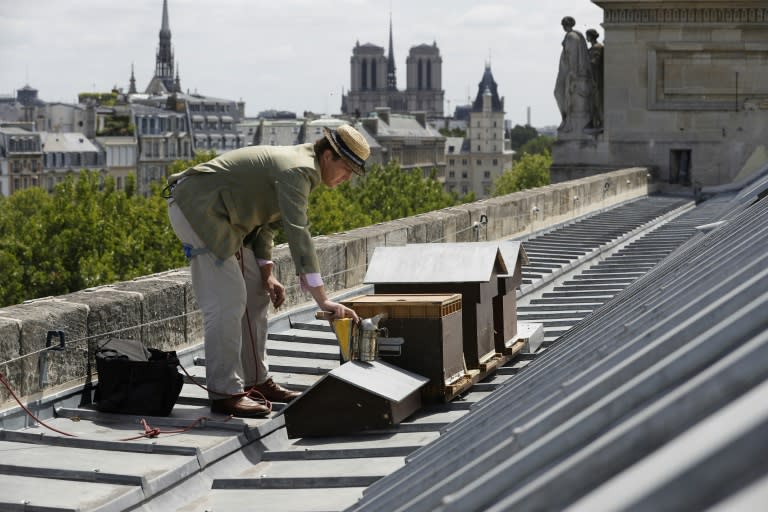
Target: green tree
{"points": [[331, 210], [541, 145], [452, 132], [86, 233], [388, 192], [519, 135], [530, 171], [22, 237]]}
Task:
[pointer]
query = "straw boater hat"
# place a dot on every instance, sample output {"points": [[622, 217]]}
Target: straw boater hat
{"points": [[350, 145]]}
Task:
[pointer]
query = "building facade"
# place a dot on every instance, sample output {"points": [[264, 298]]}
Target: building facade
{"points": [[686, 92], [66, 153], [162, 136], [475, 162], [213, 122], [64, 117], [120, 157], [21, 159]]}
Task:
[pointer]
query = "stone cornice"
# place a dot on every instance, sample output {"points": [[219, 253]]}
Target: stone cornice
{"points": [[621, 14]]}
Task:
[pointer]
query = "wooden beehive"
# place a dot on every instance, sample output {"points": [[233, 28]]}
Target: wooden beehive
{"points": [[431, 325], [406, 305], [505, 302], [470, 269], [355, 397]]}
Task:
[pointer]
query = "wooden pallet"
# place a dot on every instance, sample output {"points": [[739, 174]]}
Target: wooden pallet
{"points": [[488, 367], [460, 385]]}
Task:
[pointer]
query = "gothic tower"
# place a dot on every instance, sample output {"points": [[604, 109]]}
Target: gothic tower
{"points": [[424, 80], [163, 81], [368, 76], [486, 122]]}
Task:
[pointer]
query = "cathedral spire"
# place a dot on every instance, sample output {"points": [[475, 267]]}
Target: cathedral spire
{"points": [[391, 76], [132, 87], [165, 27], [163, 81]]}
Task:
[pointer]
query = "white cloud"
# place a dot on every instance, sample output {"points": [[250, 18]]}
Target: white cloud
{"points": [[488, 15]]}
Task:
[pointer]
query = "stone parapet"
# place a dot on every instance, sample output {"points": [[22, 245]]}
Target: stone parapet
{"points": [[161, 310]]}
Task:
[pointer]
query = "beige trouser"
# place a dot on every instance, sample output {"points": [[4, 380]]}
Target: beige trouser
{"points": [[234, 358]]}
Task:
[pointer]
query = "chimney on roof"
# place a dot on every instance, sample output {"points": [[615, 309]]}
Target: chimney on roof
{"points": [[383, 113], [421, 117], [371, 125], [90, 119]]}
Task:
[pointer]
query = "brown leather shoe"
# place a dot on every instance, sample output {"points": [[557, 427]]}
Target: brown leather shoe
{"points": [[274, 392], [241, 407]]}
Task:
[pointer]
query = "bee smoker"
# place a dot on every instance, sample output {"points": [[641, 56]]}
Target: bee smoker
{"points": [[365, 346], [365, 340]]}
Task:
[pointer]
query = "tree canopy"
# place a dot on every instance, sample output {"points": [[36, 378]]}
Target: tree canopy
{"points": [[388, 192], [530, 171], [86, 233], [541, 145], [519, 135]]}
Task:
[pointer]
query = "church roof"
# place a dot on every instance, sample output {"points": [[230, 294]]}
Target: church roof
{"points": [[487, 82]]}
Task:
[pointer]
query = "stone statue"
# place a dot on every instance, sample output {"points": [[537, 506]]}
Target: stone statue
{"points": [[596, 58], [573, 89]]}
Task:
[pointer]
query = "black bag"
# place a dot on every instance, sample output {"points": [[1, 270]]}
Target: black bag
{"points": [[136, 380]]}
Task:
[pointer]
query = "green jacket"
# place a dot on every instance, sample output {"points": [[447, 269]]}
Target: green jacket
{"points": [[237, 195]]}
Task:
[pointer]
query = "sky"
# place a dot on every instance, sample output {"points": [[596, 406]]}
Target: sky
{"points": [[288, 54]]}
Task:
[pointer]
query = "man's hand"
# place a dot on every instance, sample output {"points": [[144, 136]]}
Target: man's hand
{"points": [[334, 308], [276, 291], [272, 286], [338, 310]]}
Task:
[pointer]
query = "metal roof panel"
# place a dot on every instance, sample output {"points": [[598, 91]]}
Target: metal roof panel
{"points": [[380, 378], [464, 262]]}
